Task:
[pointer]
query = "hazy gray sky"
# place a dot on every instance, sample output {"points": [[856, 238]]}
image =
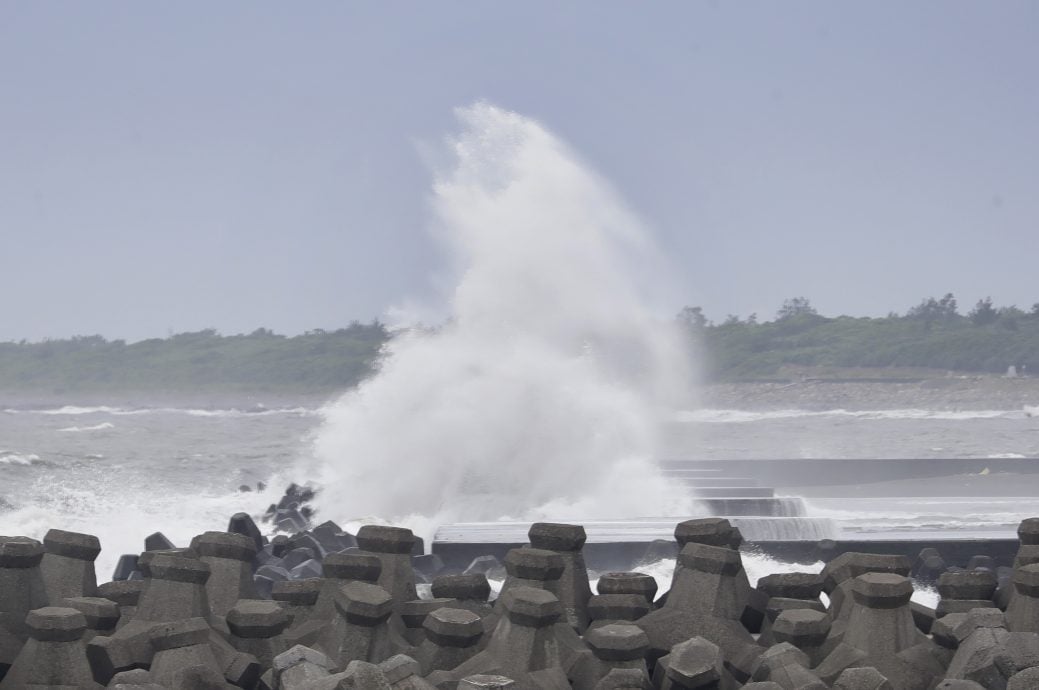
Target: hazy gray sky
{"points": [[176, 166]]}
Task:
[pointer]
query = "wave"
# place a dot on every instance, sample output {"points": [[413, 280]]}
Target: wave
{"points": [[122, 516], [727, 416], [9, 457], [76, 410], [95, 427]]}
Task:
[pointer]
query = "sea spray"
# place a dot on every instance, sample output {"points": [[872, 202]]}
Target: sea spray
{"points": [[541, 395]]}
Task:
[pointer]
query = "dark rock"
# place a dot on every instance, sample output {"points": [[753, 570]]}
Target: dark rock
{"points": [[125, 566], [158, 542], [242, 523]]}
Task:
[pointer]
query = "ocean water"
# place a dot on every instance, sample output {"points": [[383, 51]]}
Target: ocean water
{"points": [[124, 471]]}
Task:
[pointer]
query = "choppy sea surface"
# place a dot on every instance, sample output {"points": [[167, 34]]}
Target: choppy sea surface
{"points": [[123, 471]]}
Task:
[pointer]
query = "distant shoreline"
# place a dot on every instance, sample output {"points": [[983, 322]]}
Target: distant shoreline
{"points": [[938, 392], [810, 390]]}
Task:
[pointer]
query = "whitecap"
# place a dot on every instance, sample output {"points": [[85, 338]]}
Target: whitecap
{"points": [[731, 416], [10, 457], [96, 427]]}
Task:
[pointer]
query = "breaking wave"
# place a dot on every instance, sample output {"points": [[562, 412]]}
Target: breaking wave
{"points": [[542, 395], [96, 427], [726, 416]]}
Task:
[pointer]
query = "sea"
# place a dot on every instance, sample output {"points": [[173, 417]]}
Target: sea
{"points": [[126, 468]]}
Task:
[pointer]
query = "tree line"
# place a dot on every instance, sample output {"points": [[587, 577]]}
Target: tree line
{"points": [[934, 334], [317, 360]]}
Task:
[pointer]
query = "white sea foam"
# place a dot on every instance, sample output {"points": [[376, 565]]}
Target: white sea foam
{"points": [[96, 427], [76, 410], [122, 519], [541, 396], [725, 416], [10, 457]]}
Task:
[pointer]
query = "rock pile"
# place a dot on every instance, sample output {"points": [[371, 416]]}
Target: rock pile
{"points": [[324, 609]]}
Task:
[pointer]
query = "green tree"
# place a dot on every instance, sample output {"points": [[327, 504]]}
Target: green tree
{"points": [[796, 306], [983, 313], [692, 318]]}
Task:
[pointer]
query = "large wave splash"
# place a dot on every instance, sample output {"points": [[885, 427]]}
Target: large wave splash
{"points": [[541, 395]]}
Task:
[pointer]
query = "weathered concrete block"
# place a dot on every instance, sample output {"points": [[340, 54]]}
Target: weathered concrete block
{"points": [[712, 531], [611, 608], [256, 628], [967, 584], [125, 567], [462, 587], [68, 565], [628, 583], [573, 589], [54, 654], [619, 653], [360, 629], [158, 541], [353, 565], [695, 663], [1022, 613], [452, 638], [22, 589], [865, 678], [777, 605], [1028, 531], [804, 586], [618, 642], [403, 673], [393, 546], [414, 613], [298, 666], [1024, 680], [101, 615], [806, 629]]}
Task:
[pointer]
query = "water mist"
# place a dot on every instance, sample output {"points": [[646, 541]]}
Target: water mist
{"points": [[541, 396]]}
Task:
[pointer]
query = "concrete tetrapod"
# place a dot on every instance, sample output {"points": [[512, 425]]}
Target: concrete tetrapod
{"points": [[54, 654], [705, 600], [174, 591], [21, 590], [881, 633], [785, 664], [339, 569], [452, 638], [1022, 613], [525, 646], [360, 630], [230, 558], [965, 590], [393, 547], [616, 647], [68, 565], [255, 628], [403, 673], [574, 588]]}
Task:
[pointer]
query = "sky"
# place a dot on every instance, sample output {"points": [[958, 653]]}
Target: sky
{"points": [[168, 167]]}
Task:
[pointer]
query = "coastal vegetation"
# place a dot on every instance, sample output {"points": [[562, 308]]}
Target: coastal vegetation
{"points": [[932, 338], [933, 335], [204, 360]]}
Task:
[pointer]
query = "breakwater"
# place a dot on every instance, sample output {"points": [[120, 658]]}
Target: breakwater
{"points": [[315, 606]]}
